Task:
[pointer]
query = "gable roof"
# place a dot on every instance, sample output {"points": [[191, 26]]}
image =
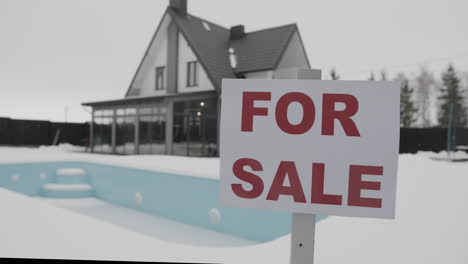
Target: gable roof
{"points": [[256, 51], [262, 50]]}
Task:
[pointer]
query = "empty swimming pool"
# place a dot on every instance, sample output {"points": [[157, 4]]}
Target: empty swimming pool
{"points": [[190, 201]]}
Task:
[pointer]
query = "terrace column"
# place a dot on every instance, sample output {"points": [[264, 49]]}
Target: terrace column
{"points": [[169, 127], [91, 133], [218, 125], [114, 130], [137, 131]]}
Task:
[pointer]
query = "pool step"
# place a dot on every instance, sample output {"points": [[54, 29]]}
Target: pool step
{"points": [[57, 190], [68, 183], [71, 176], [70, 171]]}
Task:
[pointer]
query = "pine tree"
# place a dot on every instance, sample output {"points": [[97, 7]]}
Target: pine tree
{"points": [[334, 75], [451, 94], [407, 108]]}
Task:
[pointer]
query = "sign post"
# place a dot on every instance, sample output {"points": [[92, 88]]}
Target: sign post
{"points": [[302, 238], [303, 225], [308, 146]]}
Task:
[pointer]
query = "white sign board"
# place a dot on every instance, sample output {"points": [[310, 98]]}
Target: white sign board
{"points": [[310, 146]]}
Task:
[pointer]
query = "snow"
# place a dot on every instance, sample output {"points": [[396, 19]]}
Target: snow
{"points": [[215, 216], [31, 228], [70, 171], [138, 198], [34, 229], [66, 187], [154, 226], [15, 177], [197, 167], [430, 225]]}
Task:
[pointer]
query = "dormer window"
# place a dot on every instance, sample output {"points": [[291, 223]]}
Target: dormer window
{"points": [[160, 78], [232, 58], [192, 77], [206, 26]]}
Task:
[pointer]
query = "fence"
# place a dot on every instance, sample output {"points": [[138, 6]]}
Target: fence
{"points": [[35, 133], [430, 139]]}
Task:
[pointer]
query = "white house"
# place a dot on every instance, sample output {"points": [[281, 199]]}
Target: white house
{"points": [[173, 101]]}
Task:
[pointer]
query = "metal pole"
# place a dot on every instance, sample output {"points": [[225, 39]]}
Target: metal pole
{"points": [[449, 130], [302, 238], [453, 142], [302, 225]]}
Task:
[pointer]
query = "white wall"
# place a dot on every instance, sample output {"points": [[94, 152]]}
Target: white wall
{"points": [[259, 75], [185, 55], [294, 56], [157, 56]]}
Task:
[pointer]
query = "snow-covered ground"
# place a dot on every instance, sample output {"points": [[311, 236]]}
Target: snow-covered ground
{"points": [[197, 167], [150, 225], [430, 225]]}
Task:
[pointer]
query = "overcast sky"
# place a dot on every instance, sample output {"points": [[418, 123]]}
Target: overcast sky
{"points": [[55, 54]]}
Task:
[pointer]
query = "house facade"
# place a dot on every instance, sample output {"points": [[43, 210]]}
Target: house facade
{"points": [[173, 102]]}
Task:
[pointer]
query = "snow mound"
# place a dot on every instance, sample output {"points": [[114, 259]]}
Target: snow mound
{"points": [[63, 147], [67, 187], [70, 172]]}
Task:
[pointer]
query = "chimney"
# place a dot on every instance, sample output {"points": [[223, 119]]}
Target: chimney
{"points": [[179, 6], [237, 32]]}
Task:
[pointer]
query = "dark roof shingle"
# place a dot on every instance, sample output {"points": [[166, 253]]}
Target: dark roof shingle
{"points": [[262, 50], [256, 51]]}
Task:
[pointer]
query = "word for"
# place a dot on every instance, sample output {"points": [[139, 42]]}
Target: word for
{"points": [[329, 113]]}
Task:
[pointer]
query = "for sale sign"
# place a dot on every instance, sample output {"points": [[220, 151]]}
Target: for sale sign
{"points": [[310, 146]]}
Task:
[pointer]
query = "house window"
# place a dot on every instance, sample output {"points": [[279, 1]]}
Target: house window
{"points": [[160, 78], [192, 78]]}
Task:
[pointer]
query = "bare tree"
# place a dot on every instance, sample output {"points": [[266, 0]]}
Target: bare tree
{"points": [[464, 82], [425, 83]]}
